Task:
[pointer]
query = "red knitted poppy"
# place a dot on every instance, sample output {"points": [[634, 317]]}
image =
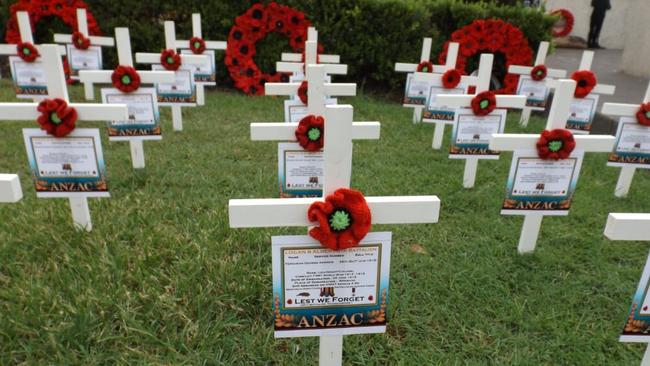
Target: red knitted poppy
{"points": [[80, 41], [197, 45], [302, 92], [643, 115], [425, 66], [27, 52], [484, 103], [170, 60], [57, 118], [310, 132], [451, 78], [586, 81], [539, 72], [555, 144], [125, 79]]}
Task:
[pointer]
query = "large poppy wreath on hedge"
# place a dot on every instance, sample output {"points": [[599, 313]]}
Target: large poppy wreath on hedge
{"points": [[253, 26], [493, 36], [559, 29]]}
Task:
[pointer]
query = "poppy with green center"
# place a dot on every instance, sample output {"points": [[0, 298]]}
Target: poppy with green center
{"points": [[451, 78], [309, 132], [643, 115], [425, 66], [79, 41], [125, 79], [484, 103], [302, 92], [538, 73], [344, 219], [586, 82], [197, 45], [57, 118], [555, 144], [170, 60], [27, 52]]}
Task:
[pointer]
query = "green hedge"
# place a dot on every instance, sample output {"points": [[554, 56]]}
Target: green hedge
{"points": [[370, 35]]}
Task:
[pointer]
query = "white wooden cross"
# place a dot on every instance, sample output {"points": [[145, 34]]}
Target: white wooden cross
{"points": [[209, 45], [82, 27], [542, 52], [154, 58], [57, 88], [10, 189], [294, 63], [465, 101], [90, 77], [425, 55], [625, 110], [585, 64], [338, 132], [559, 113]]}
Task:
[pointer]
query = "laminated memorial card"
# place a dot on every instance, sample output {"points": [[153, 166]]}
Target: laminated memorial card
{"points": [[300, 171], [471, 133], [180, 92], [295, 109], [637, 324], [451, 82], [28, 74], [144, 116]]}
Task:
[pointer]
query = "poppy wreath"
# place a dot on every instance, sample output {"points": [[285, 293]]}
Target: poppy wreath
{"points": [[539, 72], [57, 118], [125, 79], [197, 45], [170, 60], [80, 41], [484, 103], [425, 66], [27, 51], [310, 132], [643, 115], [303, 89], [569, 20], [586, 82], [491, 36], [343, 219], [555, 144], [451, 78], [251, 27]]}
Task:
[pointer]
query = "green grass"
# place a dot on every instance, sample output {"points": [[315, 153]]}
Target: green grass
{"points": [[162, 279]]}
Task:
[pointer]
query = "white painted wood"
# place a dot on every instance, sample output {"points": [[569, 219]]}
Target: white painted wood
{"points": [[312, 34], [525, 116], [526, 70], [80, 213], [137, 154], [529, 233], [589, 143], [646, 356], [177, 118], [624, 181], [10, 189], [85, 111], [587, 60], [82, 22], [24, 27], [417, 114], [337, 166], [196, 25], [561, 107], [154, 58], [297, 68], [542, 51], [425, 55], [438, 135], [200, 95], [311, 54], [452, 58], [330, 351], [123, 39], [469, 176], [620, 109], [503, 101], [82, 27], [604, 89], [628, 226], [283, 131]]}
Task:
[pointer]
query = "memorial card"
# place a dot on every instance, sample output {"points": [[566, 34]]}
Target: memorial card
{"points": [[144, 117], [90, 59], [536, 92], [295, 110], [71, 166], [437, 113], [180, 92], [471, 134], [582, 115], [537, 185], [300, 172], [321, 292], [205, 73], [416, 92], [637, 325], [28, 78], [632, 145]]}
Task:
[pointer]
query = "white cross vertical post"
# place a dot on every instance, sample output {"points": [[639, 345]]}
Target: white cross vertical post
{"points": [[154, 58], [560, 111], [10, 189], [338, 133], [294, 63], [91, 77], [542, 52], [465, 101], [625, 110], [312, 35], [57, 88]]}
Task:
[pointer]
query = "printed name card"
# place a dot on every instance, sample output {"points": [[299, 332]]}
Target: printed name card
{"points": [[416, 92], [536, 92], [637, 325], [541, 185], [471, 134], [632, 145], [89, 59], [28, 77], [295, 110], [180, 92], [206, 72], [582, 115], [300, 172], [437, 113], [144, 116], [320, 292]]}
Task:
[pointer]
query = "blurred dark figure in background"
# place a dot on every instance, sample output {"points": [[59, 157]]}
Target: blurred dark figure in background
{"points": [[597, 19]]}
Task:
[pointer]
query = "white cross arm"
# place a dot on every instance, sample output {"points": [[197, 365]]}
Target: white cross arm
{"points": [[85, 112], [526, 70], [337, 89], [287, 131], [511, 142], [10, 49], [94, 41], [628, 226], [10, 189], [405, 67], [154, 58], [324, 59], [503, 101], [146, 77], [620, 109], [598, 89], [293, 211], [437, 78], [209, 45], [297, 67]]}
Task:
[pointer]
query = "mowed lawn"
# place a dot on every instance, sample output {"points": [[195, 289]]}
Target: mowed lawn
{"points": [[162, 279]]}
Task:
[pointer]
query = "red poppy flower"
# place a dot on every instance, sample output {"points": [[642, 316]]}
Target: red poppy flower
{"points": [[27, 52], [586, 80], [556, 144], [538, 73], [57, 118], [197, 45], [344, 219], [451, 78], [125, 79], [170, 60], [643, 115], [302, 92], [425, 66], [80, 41], [310, 132], [484, 103]]}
